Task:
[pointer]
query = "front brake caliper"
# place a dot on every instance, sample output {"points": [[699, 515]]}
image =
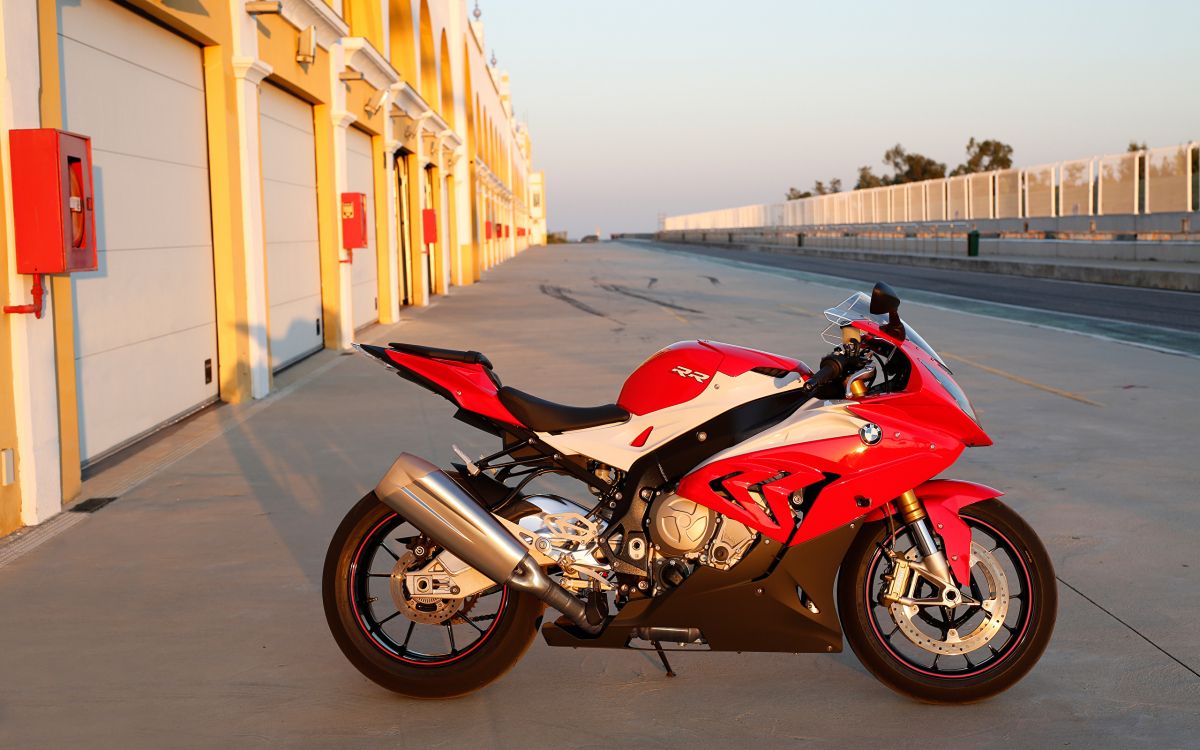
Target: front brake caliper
{"points": [[897, 579]]}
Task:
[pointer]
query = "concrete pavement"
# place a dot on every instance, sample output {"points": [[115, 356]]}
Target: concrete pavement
{"points": [[187, 612]]}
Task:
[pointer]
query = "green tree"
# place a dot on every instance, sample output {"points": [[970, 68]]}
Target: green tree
{"points": [[867, 179], [1135, 146], [818, 188], [985, 156], [910, 167]]}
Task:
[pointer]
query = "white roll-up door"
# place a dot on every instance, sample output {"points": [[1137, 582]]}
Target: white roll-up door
{"points": [[364, 273], [145, 322], [289, 175]]}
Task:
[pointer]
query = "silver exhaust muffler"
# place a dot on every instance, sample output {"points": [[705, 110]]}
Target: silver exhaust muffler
{"points": [[433, 502]]}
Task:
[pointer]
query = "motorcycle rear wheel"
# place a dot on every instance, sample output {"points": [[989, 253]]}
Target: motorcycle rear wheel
{"points": [[953, 670], [411, 648]]}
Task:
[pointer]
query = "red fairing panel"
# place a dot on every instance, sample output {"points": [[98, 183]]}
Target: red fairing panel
{"points": [[922, 399], [942, 499], [738, 360], [657, 384], [869, 478], [683, 370], [725, 486], [469, 385]]}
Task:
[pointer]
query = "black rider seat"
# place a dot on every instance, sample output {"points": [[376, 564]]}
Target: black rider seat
{"points": [[541, 415]]}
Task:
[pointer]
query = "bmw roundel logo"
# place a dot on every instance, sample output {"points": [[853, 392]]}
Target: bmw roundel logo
{"points": [[870, 433]]}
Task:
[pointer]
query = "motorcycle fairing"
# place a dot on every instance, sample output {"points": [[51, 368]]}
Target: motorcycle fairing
{"points": [[943, 498], [676, 391], [469, 385], [685, 369], [865, 477], [764, 588], [922, 397]]}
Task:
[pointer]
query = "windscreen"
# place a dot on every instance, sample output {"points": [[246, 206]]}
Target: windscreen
{"points": [[858, 307]]}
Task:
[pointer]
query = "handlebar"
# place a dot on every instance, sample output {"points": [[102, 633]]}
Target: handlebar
{"points": [[833, 366]]}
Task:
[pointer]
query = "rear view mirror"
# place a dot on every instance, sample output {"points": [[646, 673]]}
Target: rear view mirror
{"points": [[885, 300]]}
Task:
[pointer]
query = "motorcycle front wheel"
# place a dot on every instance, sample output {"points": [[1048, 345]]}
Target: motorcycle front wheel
{"points": [[416, 646], [952, 654]]}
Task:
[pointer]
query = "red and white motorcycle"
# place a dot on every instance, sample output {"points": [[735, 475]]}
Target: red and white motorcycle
{"points": [[732, 489]]}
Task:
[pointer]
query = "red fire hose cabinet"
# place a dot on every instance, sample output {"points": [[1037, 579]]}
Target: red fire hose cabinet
{"points": [[54, 217]]}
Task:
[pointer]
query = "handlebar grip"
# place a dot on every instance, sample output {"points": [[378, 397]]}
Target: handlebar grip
{"points": [[832, 368]]}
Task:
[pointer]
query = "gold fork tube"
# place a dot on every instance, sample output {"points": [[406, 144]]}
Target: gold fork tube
{"points": [[910, 508]]}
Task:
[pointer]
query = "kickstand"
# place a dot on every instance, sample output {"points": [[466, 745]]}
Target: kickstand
{"points": [[663, 656]]}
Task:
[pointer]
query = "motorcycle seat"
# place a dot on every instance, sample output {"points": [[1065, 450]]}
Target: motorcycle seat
{"points": [[541, 415]]}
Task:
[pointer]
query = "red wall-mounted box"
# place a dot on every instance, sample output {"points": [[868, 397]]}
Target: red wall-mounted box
{"points": [[354, 220], [488, 228], [429, 225], [54, 213]]}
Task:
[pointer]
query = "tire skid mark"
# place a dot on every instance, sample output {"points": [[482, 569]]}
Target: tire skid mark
{"points": [[563, 295], [617, 289]]}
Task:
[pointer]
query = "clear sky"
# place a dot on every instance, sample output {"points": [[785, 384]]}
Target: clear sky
{"points": [[642, 107]]}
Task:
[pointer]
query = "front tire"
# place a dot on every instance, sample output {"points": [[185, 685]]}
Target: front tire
{"points": [[421, 650], [921, 652]]}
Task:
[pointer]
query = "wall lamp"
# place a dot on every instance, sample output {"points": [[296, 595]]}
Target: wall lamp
{"points": [[263, 7], [306, 46], [375, 103]]}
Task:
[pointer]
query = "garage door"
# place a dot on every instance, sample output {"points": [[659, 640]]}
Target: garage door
{"points": [[364, 274], [145, 322], [290, 218]]}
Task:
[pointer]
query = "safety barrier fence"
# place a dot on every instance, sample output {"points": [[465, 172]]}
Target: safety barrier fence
{"points": [[1152, 181]]}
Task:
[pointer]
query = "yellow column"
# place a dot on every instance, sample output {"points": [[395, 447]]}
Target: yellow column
{"points": [[61, 292], [416, 247], [383, 241], [233, 251], [10, 495], [334, 304], [474, 270], [458, 267], [437, 254]]}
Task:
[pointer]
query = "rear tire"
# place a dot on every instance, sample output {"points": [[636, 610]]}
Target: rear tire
{"points": [[998, 668], [361, 637]]}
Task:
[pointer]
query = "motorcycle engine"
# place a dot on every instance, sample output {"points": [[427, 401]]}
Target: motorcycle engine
{"points": [[685, 532]]}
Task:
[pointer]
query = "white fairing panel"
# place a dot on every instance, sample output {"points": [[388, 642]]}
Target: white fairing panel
{"points": [[612, 444], [815, 420]]}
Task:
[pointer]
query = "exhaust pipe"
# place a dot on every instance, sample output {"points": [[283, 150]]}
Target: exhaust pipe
{"points": [[433, 502]]}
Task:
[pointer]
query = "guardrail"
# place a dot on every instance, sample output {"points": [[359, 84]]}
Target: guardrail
{"points": [[1153, 181]]}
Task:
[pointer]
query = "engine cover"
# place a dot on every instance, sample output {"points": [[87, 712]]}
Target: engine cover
{"points": [[679, 526]]}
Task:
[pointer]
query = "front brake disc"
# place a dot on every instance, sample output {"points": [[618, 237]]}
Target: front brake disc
{"points": [[994, 608]]}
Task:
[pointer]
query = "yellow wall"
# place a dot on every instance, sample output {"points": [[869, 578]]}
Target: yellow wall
{"points": [[402, 51], [365, 20], [277, 43], [358, 95], [10, 496]]}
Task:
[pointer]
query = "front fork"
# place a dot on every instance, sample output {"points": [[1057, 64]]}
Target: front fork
{"points": [[932, 566]]}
